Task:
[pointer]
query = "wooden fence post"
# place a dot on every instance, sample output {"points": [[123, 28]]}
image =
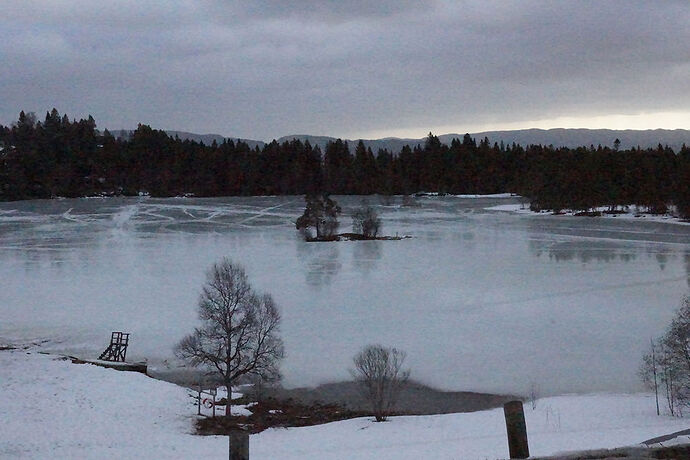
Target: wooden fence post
{"points": [[517, 429], [198, 401], [239, 445]]}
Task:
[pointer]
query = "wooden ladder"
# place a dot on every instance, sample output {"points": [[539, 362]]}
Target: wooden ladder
{"points": [[117, 350]]}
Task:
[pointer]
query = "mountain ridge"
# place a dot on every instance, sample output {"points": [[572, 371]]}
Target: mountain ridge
{"points": [[558, 137]]}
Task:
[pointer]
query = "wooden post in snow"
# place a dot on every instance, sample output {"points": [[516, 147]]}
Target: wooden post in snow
{"points": [[517, 429], [198, 401], [239, 445]]}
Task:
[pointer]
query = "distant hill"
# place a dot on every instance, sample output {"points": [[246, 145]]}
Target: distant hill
{"points": [[561, 137], [209, 138], [558, 137], [205, 138]]}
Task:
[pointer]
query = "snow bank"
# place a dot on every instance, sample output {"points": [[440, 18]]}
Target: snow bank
{"points": [[55, 409], [516, 207]]}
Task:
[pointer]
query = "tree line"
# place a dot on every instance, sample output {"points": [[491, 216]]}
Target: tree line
{"points": [[70, 158]]}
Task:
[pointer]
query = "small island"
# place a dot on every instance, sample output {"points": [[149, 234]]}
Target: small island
{"points": [[321, 214]]}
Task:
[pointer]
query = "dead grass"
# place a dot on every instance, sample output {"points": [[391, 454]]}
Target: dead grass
{"points": [[271, 413]]}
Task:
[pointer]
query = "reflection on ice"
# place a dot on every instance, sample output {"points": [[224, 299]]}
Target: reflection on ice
{"points": [[582, 251], [321, 261], [366, 255]]}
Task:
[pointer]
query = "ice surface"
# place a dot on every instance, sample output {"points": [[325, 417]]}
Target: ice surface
{"points": [[481, 300], [56, 409]]}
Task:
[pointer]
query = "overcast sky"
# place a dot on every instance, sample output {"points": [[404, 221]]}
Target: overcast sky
{"points": [[349, 68]]}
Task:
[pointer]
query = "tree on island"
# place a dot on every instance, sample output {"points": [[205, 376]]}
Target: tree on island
{"points": [[239, 332], [366, 221], [321, 213]]}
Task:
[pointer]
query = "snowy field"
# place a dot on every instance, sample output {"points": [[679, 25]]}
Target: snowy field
{"points": [[55, 409], [480, 299]]}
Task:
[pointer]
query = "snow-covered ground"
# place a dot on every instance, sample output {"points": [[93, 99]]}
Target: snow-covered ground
{"points": [[52, 408]]}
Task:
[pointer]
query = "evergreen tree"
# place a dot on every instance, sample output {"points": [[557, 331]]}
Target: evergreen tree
{"points": [[321, 213]]}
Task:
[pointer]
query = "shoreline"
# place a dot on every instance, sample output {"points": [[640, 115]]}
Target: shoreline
{"points": [[191, 196], [633, 214]]}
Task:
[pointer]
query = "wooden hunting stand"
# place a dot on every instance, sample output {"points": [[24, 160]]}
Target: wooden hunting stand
{"points": [[117, 350]]}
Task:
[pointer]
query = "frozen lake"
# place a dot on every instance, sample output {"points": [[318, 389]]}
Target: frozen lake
{"points": [[481, 300]]}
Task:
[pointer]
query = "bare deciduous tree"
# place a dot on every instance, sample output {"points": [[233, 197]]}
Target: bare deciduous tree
{"points": [[239, 332], [366, 221], [649, 372], [379, 372], [667, 364]]}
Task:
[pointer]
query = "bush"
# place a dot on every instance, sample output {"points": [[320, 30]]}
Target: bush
{"points": [[366, 221], [379, 372]]}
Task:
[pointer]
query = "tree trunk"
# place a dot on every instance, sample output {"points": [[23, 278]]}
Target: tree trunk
{"points": [[228, 401], [656, 387]]}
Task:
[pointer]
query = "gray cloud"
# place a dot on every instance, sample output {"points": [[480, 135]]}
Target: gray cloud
{"points": [[332, 11], [341, 67]]}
